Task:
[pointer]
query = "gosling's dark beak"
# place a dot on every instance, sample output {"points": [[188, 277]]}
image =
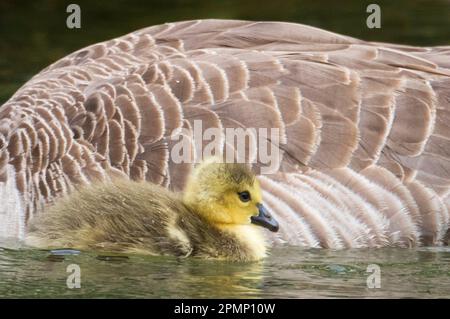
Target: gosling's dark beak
{"points": [[265, 219]]}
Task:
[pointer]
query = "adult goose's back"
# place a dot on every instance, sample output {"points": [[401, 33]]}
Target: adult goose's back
{"points": [[363, 129]]}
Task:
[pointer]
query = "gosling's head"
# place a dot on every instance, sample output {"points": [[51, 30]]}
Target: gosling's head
{"points": [[227, 194]]}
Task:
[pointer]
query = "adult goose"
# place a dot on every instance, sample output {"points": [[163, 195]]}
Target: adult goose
{"points": [[362, 129]]}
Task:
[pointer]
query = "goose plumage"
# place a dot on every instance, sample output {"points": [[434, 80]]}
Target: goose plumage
{"points": [[364, 128]]}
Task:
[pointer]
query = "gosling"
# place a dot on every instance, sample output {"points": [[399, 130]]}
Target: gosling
{"points": [[216, 217]]}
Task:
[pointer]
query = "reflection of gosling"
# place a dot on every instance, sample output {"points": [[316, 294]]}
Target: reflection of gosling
{"points": [[212, 220]]}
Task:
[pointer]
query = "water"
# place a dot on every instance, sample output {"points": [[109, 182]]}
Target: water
{"points": [[33, 35], [289, 272]]}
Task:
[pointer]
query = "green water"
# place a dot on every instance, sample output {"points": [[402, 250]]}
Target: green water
{"points": [[33, 35], [288, 273]]}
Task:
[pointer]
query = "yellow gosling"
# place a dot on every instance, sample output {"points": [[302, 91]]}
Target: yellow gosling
{"points": [[217, 217]]}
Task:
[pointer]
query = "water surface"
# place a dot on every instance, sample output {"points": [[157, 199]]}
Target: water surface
{"points": [[289, 272]]}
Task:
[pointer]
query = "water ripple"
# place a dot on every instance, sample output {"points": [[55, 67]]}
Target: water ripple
{"points": [[288, 273]]}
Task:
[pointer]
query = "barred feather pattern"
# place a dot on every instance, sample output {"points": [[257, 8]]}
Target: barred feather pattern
{"points": [[364, 128]]}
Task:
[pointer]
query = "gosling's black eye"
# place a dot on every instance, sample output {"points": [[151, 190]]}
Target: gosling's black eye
{"points": [[244, 196]]}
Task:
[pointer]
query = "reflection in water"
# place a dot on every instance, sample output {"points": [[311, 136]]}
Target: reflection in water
{"points": [[289, 273]]}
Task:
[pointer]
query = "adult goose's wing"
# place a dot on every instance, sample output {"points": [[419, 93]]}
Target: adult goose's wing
{"points": [[362, 128]]}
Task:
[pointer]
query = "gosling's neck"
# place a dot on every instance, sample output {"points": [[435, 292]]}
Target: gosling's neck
{"points": [[249, 237]]}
